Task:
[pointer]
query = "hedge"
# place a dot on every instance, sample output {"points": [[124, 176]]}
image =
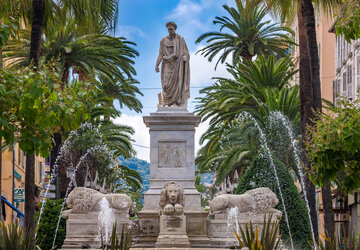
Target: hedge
{"points": [[261, 174]]}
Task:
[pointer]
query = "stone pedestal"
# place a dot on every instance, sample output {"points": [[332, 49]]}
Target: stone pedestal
{"points": [[221, 231], [172, 152], [82, 229], [173, 232]]}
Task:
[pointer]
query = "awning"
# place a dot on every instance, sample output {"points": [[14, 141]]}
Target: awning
{"points": [[19, 213]]}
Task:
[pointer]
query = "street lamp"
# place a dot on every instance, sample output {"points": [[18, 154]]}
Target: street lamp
{"points": [[70, 172]]}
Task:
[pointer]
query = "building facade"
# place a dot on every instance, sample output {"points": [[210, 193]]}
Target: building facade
{"points": [[13, 182], [326, 50], [347, 74], [346, 85]]}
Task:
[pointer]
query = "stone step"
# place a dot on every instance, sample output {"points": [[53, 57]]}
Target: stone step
{"points": [[174, 248], [156, 248]]}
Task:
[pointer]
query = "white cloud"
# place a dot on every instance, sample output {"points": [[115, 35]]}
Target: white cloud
{"points": [[129, 32], [142, 136], [202, 71], [198, 133], [186, 9]]}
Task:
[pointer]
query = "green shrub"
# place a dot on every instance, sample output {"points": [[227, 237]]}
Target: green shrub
{"points": [[261, 174], [14, 237], [268, 236], [47, 226], [116, 243]]}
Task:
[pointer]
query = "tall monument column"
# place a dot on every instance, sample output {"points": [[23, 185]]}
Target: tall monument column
{"points": [[172, 152]]}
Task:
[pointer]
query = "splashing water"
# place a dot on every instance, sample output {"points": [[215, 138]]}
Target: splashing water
{"points": [[285, 121], [65, 150], [233, 220], [105, 220], [232, 223], [67, 193], [95, 149], [264, 145]]}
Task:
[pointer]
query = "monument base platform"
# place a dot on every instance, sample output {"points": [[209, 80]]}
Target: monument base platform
{"points": [[173, 232], [149, 227], [82, 229]]}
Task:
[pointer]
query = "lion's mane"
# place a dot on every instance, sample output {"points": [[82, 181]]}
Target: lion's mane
{"points": [[164, 199]]}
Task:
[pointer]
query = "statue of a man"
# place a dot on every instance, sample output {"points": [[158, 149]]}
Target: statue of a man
{"points": [[175, 70]]}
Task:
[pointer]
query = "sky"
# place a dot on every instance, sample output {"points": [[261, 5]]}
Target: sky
{"points": [[143, 22]]}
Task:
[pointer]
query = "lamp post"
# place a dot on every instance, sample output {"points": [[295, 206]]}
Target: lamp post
{"points": [[70, 172]]}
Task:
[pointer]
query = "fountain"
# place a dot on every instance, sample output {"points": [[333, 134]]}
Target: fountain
{"points": [[93, 213], [285, 121], [266, 148], [105, 220]]}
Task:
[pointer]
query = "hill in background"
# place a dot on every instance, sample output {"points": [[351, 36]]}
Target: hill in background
{"points": [[143, 168]]}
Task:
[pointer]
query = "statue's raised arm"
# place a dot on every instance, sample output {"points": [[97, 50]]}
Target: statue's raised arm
{"points": [[175, 70]]}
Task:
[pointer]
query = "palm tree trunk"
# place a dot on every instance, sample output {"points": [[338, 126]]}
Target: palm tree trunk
{"points": [[307, 12], [65, 75], [37, 20], [30, 192], [1, 215], [57, 137], [328, 210], [306, 100], [38, 8]]}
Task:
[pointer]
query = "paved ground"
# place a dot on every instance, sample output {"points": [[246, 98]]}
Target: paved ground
{"points": [[160, 248], [178, 248]]}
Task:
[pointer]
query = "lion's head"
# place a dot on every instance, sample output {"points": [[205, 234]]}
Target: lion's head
{"points": [[264, 197], [80, 199], [171, 193]]}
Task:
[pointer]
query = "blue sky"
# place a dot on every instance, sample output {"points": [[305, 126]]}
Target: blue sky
{"points": [[143, 22]]}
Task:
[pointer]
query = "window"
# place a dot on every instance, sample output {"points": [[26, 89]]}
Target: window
{"points": [[317, 16], [358, 72], [349, 81], [338, 86], [40, 171], [344, 83]]}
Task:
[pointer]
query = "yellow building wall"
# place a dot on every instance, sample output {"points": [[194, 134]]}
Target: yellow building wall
{"points": [[16, 159], [326, 46]]}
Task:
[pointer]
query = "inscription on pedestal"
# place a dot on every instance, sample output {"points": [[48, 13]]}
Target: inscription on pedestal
{"points": [[173, 224], [172, 154]]}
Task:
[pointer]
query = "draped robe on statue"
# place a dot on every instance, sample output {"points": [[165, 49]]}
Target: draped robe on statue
{"points": [[175, 73]]}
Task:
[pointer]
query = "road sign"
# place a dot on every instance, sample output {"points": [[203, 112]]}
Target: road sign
{"points": [[49, 186], [49, 195], [19, 195]]}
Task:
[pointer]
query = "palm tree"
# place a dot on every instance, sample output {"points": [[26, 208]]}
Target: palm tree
{"points": [[255, 83], [38, 13], [228, 150], [92, 54], [247, 34], [259, 87], [310, 91]]}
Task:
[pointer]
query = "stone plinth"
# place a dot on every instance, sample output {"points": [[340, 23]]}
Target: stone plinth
{"points": [[172, 153], [173, 232], [172, 131], [82, 229], [221, 235]]}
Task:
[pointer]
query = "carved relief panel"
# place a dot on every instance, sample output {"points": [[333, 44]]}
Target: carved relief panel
{"points": [[172, 154]]}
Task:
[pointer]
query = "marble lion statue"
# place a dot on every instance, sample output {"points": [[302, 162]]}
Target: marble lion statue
{"points": [[172, 198], [258, 200], [84, 200]]}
